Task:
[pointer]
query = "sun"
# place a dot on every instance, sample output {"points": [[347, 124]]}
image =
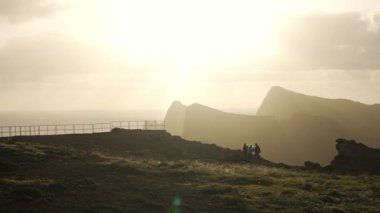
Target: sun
{"points": [[198, 32], [189, 39]]}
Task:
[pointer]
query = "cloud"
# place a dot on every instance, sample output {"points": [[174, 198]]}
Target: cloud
{"points": [[294, 76], [55, 72], [37, 57], [47, 56], [24, 10], [346, 41]]}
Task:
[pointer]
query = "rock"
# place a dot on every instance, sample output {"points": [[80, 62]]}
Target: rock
{"points": [[355, 157], [312, 165]]}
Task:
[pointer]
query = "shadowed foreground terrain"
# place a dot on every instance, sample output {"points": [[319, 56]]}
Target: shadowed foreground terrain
{"points": [[151, 171]]}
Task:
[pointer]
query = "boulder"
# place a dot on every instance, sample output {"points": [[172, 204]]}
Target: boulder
{"points": [[356, 157]]}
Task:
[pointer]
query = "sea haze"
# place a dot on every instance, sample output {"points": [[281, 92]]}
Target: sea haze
{"points": [[14, 118]]}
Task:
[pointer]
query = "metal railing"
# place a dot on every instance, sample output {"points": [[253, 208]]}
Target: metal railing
{"points": [[65, 129]]}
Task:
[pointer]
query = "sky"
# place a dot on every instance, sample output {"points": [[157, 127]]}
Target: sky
{"points": [[125, 55]]}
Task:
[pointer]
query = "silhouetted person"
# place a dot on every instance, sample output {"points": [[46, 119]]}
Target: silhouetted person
{"points": [[245, 149], [250, 150], [257, 151]]}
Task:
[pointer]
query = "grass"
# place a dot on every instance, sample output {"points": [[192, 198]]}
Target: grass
{"points": [[61, 177]]}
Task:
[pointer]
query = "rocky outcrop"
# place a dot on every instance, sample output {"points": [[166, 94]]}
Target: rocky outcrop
{"points": [[355, 157]]}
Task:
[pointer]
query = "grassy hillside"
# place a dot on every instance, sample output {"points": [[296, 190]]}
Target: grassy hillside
{"points": [[151, 171]]}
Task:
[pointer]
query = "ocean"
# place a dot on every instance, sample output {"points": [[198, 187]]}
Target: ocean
{"points": [[24, 118]]}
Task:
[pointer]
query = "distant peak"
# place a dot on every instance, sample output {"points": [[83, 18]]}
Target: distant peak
{"points": [[196, 105], [177, 103], [277, 101], [279, 89], [201, 107]]}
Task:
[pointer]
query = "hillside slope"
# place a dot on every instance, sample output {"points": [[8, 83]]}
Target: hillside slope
{"points": [[151, 171]]}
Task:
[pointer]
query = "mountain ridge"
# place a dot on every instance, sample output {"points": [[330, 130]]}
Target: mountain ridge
{"points": [[358, 118], [291, 127]]}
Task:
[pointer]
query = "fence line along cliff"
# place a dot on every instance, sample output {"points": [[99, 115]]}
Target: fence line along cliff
{"points": [[89, 128]]}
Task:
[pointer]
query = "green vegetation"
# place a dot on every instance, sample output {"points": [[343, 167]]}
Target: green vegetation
{"points": [[58, 177]]}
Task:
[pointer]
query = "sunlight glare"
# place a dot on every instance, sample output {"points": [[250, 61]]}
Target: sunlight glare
{"points": [[203, 31]]}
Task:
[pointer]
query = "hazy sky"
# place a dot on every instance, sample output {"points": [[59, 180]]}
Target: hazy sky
{"points": [[119, 54]]}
